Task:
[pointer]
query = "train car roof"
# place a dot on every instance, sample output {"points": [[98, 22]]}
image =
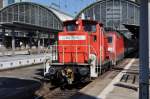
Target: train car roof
{"points": [[115, 31]]}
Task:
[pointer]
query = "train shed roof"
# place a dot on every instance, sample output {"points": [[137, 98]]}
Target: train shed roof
{"points": [[28, 15]]}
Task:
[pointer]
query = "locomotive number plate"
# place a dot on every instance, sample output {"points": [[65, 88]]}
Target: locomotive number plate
{"points": [[81, 37]]}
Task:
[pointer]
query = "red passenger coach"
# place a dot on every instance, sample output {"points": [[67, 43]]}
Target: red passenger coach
{"points": [[115, 46]]}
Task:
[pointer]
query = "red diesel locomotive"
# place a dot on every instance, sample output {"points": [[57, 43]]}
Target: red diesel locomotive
{"points": [[83, 51]]}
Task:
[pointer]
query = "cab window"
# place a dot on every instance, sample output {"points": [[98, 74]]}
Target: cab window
{"points": [[94, 38], [90, 27], [71, 27], [109, 39]]}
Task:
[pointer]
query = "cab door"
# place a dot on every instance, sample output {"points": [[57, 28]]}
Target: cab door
{"points": [[94, 43], [91, 29]]}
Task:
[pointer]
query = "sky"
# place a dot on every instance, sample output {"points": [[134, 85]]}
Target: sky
{"points": [[71, 7]]}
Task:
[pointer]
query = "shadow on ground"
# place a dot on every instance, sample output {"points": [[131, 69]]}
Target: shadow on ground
{"points": [[40, 72], [14, 88]]}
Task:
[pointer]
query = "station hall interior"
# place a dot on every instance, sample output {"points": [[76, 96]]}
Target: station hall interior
{"points": [[26, 25], [29, 36]]}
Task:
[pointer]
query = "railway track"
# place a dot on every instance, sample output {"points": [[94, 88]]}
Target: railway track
{"points": [[61, 94], [56, 93]]}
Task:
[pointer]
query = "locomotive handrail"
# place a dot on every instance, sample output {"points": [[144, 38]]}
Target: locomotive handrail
{"points": [[96, 58], [76, 51]]}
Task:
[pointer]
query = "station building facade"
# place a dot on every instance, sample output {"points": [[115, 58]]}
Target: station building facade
{"points": [[27, 24], [113, 13]]}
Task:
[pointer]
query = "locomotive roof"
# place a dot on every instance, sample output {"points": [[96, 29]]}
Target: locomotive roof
{"points": [[91, 21]]}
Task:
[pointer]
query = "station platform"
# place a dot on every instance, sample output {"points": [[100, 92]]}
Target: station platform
{"points": [[9, 62], [125, 85], [122, 82], [9, 53]]}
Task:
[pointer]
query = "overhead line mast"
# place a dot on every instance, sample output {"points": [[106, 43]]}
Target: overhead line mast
{"points": [[144, 50]]}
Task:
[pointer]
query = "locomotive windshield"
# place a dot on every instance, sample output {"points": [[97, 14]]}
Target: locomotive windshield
{"points": [[71, 26]]}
